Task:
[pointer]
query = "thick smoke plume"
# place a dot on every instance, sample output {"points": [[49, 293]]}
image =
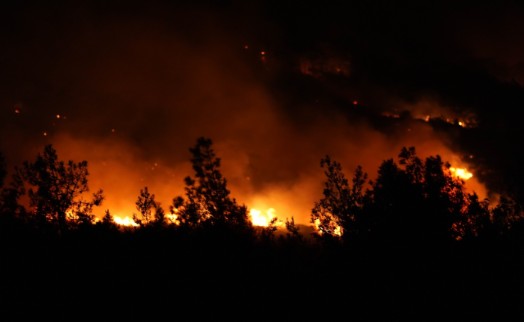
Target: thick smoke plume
{"points": [[130, 92]]}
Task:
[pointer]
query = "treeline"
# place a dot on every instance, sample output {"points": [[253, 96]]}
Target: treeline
{"points": [[411, 200], [49, 195], [411, 243]]}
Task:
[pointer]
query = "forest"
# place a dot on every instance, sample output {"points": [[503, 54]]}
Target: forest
{"points": [[412, 243]]}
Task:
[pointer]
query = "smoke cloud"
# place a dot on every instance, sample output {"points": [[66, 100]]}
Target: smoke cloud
{"points": [[130, 89]]}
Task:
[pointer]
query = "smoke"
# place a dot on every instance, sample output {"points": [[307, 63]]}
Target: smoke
{"points": [[131, 92]]}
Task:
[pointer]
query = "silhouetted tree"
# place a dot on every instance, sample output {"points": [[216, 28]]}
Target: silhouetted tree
{"points": [[339, 211], [267, 234], [55, 189], [145, 204], [413, 165], [12, 215], [107, 224], [108, 218], [412, 200], [422, 200], [505, 215], [388, 202], [10, 196], [186, 212], [475, 218], [160, 216], [446, 201], [293, 231], [207, 196], [82, 210]]}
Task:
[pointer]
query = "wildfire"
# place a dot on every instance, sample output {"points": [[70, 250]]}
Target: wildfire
{"points": [[465, 123], [125, 221], [337, 231], [263, 219], [173, 218], [462, 173]]}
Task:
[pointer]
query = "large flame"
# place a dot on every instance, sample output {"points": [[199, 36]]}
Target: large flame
{"points": [[125, 221], [462, 173], [264, 219], [172, 218]]}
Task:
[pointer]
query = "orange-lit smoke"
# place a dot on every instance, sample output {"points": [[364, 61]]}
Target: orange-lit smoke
{"points": [[135, 107]]}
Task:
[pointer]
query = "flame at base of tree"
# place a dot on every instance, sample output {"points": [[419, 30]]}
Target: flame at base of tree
{"points": [[258, 218], [336, 229], [388, 207], [125, 221]]}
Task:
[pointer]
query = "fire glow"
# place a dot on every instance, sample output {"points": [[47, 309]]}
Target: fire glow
{"points": [[461, 173], [125, 221], [336, 232], [266, 216], [263, 219]]}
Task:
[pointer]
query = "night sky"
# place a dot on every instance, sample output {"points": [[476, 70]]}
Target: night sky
{"points": [[130, 86]]}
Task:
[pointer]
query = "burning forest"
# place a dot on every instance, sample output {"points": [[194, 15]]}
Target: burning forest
{"points": [[279, 151]]}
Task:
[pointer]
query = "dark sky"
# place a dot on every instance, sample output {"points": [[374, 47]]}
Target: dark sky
{"points": [[129, 86]]}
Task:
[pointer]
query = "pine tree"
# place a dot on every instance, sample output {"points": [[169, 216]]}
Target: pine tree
{"points": [[55, 189], [339, 211], [207, 198]]}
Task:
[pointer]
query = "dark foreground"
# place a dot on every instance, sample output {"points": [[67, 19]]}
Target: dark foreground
{"points": [[149, 276]]}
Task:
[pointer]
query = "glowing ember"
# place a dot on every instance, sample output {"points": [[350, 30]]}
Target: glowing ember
{"points": [[263, 56], [125, 221], [263, 219], [462, 173]]}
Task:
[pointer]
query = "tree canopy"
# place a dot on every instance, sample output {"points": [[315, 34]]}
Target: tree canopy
{"points": [[207, 198], [411, 200], [55, 190]]}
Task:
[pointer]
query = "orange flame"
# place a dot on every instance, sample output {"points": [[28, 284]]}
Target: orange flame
{"points": [[336, 232], [263, 219], [462, 173], [125, 221], [172, 218]]}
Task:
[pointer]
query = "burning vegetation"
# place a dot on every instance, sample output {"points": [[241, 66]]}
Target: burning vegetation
{"points": [[279, 87], [415, 209], [413, 197]]}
